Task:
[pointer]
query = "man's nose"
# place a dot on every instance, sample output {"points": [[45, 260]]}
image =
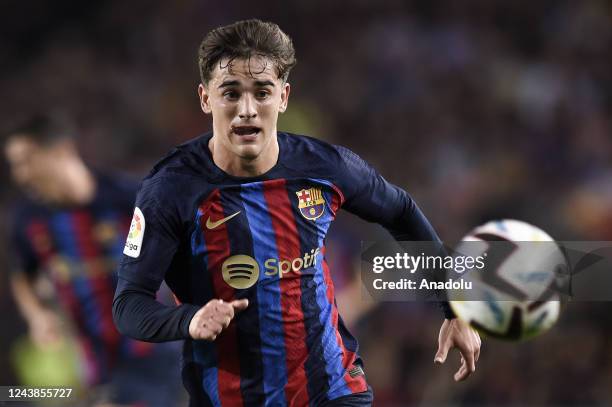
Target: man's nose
{"points": [[246, 108]]}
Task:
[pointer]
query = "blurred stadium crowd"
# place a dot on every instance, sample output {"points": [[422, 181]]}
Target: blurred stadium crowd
{"points": [[480, 109]]}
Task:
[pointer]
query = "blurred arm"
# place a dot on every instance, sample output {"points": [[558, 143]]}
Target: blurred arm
{"points": [[25, 297], [44, 324]]}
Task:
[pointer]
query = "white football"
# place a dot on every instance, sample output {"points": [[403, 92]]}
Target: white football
{"points": [[514, 298]]}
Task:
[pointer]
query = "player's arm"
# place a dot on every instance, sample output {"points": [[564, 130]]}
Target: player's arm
{"points": [[371, 197], [139, 315], [44, 324], [149, 251]]}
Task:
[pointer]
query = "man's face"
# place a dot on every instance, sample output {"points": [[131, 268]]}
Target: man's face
{"points": [[245, 98], [35, 168]]}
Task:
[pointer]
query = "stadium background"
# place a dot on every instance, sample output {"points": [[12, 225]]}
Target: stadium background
{"points": [[480, 109]]}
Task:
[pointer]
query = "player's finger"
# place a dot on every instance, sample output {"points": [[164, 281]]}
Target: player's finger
{"points": [[461, 369], [470, 362], [468, 353], [476, 354], [222, 319], [462, 373], [209, 309], [240, 305], [442, 352], [479, 345], [225, 309], [214, 326]]}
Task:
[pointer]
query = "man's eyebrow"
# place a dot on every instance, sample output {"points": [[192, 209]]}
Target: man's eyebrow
{"points": [[226, 84], [264, 83]]}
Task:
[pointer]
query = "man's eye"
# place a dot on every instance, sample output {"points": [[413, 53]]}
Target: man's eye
{"points": [[231, 94], [262, 94]]}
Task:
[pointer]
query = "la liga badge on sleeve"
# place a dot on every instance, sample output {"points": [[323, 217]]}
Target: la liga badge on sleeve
{"points": [[133, 243]]}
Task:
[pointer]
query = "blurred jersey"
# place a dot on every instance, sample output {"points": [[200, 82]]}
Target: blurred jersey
{"points": [[79, 247], [213, 235]]}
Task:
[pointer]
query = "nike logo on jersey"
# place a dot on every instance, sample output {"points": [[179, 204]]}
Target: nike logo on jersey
{"points": [[214, 224]]}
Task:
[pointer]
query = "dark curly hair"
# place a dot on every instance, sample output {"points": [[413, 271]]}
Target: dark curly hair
{"points": [[243, 40]]}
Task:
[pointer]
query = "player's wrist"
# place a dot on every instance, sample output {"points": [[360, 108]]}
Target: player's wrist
{"points": [[186, 322]]}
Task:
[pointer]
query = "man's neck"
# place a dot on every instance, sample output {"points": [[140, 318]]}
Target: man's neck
{"points": [[237, 166]]}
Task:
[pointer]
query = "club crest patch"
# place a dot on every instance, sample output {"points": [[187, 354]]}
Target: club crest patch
{"points": [[311, 203], [134, 239]]}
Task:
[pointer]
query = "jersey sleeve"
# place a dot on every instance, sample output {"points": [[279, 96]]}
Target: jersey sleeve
{"points": [[154, 235], [151, 245], [371, 197], [127, 188]]}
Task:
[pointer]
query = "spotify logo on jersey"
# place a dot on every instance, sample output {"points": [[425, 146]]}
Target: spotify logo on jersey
{"points": [[240, 271]]}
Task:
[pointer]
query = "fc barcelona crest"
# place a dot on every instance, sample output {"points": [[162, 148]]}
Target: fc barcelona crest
{"points": [[311, 203]]}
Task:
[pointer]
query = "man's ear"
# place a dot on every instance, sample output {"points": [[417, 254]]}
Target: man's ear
{"points": [[284, 97], [204, 99]]}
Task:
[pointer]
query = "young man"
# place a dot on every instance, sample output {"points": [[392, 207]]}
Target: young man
{"points": [[235, 222], [72, 227]]}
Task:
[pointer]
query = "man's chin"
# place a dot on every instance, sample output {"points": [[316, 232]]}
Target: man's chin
{"points": [[248, 151]]}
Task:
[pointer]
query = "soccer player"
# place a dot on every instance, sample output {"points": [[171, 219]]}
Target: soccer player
{"points": [[235, 222], [71, 227]]}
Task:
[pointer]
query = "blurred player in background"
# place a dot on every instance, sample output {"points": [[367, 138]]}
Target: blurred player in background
{"points": [[235, 222], [71, 228]]}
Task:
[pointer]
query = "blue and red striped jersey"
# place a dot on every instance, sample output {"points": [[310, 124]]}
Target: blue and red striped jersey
{"points": [[79, 248], [212, 235]]}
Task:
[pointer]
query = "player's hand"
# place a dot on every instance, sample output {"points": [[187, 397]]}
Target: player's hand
{"points": [[214, 317], [455, 333], [45, 329]]}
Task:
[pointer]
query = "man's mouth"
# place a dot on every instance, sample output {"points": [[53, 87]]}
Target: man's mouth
{"points": [[245, 130]]}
